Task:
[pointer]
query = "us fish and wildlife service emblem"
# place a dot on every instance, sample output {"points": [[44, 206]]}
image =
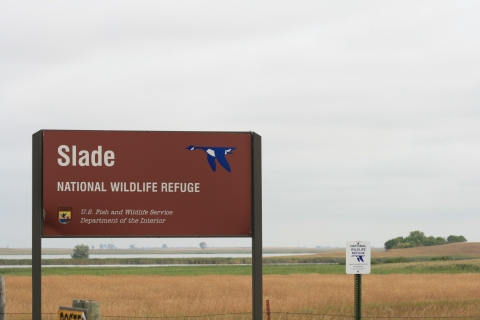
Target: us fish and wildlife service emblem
{"points": [[64, 215]]}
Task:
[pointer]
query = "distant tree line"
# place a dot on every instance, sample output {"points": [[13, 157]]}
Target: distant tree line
{"points": [[107, 246], [418, 239], [134, 247]]}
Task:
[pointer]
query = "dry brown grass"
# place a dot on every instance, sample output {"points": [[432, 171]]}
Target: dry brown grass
{"points": [[461, 266], [467, 249], [436, 295]]}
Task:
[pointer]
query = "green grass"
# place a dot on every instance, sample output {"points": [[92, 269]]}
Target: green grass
{"points": [[422, 267], [227, 261], [427, 268], [180, 270]]}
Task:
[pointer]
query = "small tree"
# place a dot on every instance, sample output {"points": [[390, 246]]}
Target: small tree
{"points": [[203, 245], [164, 246], [441, 240], [416, 238], [393, 243], [80, 251], [453, 239]]}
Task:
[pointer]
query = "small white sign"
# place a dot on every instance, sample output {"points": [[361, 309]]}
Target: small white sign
{"points": [[358, 257]]}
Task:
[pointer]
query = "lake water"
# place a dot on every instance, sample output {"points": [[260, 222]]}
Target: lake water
{"points": [[122, 265], [120, 256]]}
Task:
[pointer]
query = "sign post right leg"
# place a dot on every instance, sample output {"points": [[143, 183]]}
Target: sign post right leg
{"points": [[257, 247]]}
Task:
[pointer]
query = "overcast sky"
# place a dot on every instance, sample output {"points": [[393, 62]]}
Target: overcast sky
{"points": [[369, 112]]}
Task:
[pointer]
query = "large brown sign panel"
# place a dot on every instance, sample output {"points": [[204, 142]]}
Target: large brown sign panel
{"points": [[132, 183]]}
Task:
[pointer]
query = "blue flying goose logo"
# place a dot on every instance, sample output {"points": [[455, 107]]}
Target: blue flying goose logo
{"points": [[218, 153]]}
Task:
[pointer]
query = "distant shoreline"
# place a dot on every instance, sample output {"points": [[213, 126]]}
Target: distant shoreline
{"points": [[199, 251]]}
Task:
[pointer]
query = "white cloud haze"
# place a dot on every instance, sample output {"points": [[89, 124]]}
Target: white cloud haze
{"points": [[368, 111]]}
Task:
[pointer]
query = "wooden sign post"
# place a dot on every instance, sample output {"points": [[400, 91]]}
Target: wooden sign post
{"points": [[3, 308]]}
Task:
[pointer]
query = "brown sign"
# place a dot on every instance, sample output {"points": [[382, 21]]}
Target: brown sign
{"points": [[132, 183]]}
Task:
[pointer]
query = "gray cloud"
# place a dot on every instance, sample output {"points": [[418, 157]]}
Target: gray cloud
{"points": [[368, 111]]}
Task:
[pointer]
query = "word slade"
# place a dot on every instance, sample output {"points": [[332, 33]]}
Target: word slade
{"points": [[96, 158]]}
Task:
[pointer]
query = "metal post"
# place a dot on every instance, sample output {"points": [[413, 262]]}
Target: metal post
{"points": [[357, 313], [268, 309], [3, 307], [257, 259], [37, 223]]}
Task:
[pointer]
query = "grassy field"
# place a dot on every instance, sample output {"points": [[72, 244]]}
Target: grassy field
{"points": [[301, 296], [429, 282], [180, 270], [465, 249], [424, 267], [455, 249], [461, 251]]}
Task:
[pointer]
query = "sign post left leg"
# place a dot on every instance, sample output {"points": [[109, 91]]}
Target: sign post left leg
{"points": [[37, 221]]}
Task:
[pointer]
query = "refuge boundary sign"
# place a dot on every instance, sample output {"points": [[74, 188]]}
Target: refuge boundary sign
{"points": [[146, 184]]}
